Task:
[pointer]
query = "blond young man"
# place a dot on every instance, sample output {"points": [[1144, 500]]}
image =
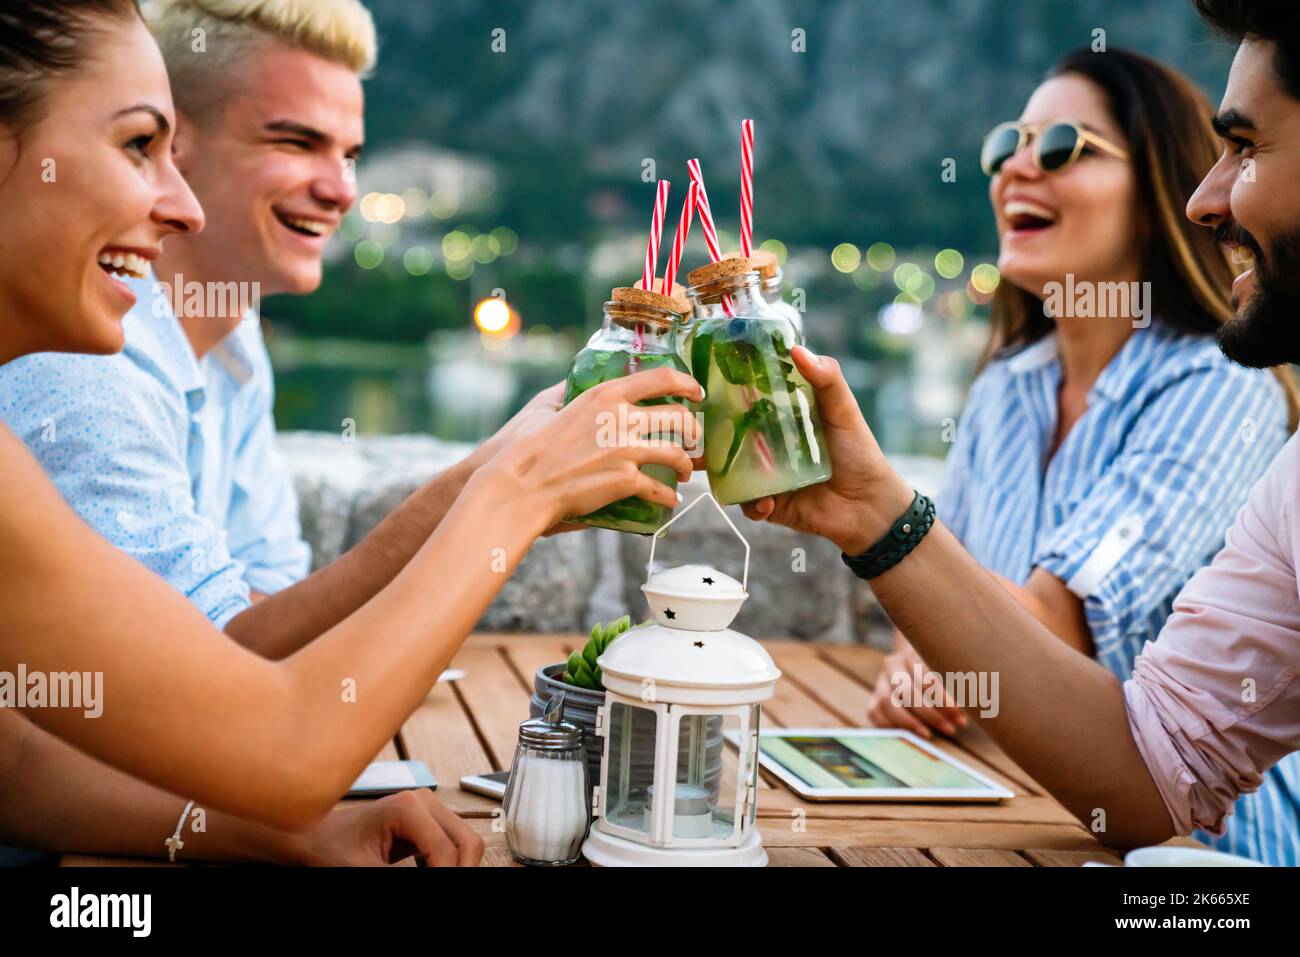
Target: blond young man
{"points": [[167, 449]]}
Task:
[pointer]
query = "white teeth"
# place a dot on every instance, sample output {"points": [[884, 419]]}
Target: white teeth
{"points": [[313, 226], [1018, 207], [125, 264], [1241, 256]]}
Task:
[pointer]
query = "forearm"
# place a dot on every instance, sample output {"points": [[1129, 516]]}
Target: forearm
{"points": [[1048, 695], [55, 798], [1062, 615], [279, 625]]}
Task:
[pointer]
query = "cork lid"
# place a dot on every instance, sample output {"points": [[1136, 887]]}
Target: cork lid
{"points": [[678, 295], [726, 269], [635, 296], [763, 261]]}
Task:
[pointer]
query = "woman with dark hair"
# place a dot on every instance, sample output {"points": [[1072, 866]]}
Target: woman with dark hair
{"points": [[89, 192], [1107, 443]]}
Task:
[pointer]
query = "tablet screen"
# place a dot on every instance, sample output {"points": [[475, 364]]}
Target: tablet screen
{"points": [[860, 762]]}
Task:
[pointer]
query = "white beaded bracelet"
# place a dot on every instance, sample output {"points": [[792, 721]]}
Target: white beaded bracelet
{"points": [[174, 843]]}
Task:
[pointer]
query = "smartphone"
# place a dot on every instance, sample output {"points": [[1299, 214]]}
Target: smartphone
{"points": [[491, 784], [389, 777]]}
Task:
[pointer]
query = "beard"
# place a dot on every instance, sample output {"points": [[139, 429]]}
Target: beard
{"points": [[1266, 331]]}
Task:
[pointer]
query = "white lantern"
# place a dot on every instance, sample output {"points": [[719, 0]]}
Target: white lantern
{"points": [[677, 690]]}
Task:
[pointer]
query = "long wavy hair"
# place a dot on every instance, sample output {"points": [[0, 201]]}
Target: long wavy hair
{"points": [[1172, 145]]}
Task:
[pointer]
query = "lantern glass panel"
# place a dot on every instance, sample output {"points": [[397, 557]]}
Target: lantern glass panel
{"points": [[707, 769], [754, 717], [631, 769]]}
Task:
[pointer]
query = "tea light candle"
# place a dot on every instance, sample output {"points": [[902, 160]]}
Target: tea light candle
{"points": [[692, 815]]}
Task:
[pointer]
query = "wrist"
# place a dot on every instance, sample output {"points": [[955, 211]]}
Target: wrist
{"points": [[870, 517], [498, 491]]}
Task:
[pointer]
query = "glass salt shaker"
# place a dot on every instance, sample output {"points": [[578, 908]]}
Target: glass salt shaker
{"points": [[548, 800]]}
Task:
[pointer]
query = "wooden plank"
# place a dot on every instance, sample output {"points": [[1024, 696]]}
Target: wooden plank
{"points": [[498, 857], [440, 734], [526, 657], [879, 857], [496, 700], [828, 686], [388, 752], [823, 832], [859, 662], [978, 857], [975, 740], [1047, 857], [797, 857]]}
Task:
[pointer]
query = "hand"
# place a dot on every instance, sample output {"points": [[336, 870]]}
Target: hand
{"points": [[864, 496], [590, 453], [896, 683], [539, 410], [376, 833]]}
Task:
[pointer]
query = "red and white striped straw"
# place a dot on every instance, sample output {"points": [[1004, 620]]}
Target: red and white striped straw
{"points": [[656, 229], [746, 187], [679, 240], [706, 214]]}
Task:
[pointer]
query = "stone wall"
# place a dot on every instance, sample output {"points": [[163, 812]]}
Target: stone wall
{"points": [[798, 586]]}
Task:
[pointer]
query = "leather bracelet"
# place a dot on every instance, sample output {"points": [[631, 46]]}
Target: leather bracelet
{"points": [[897, 543]]}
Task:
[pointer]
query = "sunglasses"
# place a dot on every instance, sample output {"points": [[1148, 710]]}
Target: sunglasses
{"points": [[1056, 146]]}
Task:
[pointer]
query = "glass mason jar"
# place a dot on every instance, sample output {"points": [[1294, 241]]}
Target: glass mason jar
{"points": [[547, 804], [771, 288], [639, 332], [762, 431]]}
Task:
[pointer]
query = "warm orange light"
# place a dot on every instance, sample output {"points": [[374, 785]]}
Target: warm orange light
{"points": [[492, 315]]}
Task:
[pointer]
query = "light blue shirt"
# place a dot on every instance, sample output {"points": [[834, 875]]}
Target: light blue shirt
{"points": [[1139, 496], [170, 458]]}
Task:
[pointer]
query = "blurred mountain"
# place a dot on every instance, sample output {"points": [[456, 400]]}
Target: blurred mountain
{"points": [[851, 133]]}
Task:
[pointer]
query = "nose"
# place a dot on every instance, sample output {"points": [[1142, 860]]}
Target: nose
{"points": [[336, 185], [1021, 165], [177, 209], [1211, 204]]}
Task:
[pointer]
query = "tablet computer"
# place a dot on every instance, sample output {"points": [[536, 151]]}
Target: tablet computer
{"points": [[870, 764]]}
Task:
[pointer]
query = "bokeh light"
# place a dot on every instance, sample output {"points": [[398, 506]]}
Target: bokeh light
{"points": [[418, 260], [369, 254], [459, 268], [902, 317], [455, 246], [492, 315], [416, 202], [845, 257], [776, 248], [480, 248], [985, 278], [881, 256], [444, 204], [505, 239], [949, 263]]}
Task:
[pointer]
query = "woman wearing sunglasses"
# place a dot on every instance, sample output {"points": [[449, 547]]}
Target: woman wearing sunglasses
{"points": [[1103, 453], [86, 178]]}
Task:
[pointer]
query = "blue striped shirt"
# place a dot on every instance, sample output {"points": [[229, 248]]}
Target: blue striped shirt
{"points": [[1137, 497]]}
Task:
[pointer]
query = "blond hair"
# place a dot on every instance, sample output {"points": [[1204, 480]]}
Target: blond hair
{"points": [[205, 41]]}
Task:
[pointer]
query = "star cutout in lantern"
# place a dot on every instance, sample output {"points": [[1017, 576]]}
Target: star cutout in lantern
{"points": [[699, 644], [670, 614], [708, 581]]}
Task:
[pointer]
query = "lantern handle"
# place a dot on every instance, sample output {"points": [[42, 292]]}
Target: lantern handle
{"points": [[654, 539]]}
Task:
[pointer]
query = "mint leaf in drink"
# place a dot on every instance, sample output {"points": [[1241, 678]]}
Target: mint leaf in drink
{"points": [[759, 417]]}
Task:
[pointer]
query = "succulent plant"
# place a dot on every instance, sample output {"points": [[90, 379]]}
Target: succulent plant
{"points": [[582, 670]]}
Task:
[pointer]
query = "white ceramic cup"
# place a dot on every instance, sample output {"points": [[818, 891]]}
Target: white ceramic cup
{"points": [[1184, 857]]}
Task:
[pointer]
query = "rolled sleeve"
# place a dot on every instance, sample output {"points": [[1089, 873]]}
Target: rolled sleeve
{"points": [[1214, 702], [113, 441], [1160, 510]]}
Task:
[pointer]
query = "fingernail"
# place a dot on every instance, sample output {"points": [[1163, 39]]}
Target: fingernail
{"points": [[679, 498]]}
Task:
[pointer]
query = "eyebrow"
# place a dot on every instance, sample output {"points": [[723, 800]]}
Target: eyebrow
{"points": [[163, 124], [308, 133], [1232, 119]]}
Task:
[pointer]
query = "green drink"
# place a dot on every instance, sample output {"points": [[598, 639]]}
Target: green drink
{"points": [[762, 432], [639, 332]]}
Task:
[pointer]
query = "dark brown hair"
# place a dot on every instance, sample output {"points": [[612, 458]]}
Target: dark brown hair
{"points": [[44, 39], [1171, 144], [1276, 22]]}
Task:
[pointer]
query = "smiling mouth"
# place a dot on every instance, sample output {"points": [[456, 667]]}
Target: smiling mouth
{"points": [[1240, 255], [1024, 217], [121, 263], [303, 226]]}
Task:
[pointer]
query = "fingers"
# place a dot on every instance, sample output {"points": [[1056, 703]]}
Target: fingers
{"points": [[653, 490], [661, 381], [668, 454], [834, 397], [760, 509], [469, 846], [416, 825]]}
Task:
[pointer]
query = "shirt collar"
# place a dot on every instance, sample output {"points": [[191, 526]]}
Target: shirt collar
{"points": [[159, 337], [232, 353], [1119, 375]]}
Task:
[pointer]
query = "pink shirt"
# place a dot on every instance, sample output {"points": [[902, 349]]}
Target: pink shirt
{"points": [[1214, 702]]}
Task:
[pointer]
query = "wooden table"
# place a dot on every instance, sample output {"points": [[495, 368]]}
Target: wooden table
{"points": [[470, 726]]}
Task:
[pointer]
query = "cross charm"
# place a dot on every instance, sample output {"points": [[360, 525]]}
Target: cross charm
{"points": [[174, 844]]}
